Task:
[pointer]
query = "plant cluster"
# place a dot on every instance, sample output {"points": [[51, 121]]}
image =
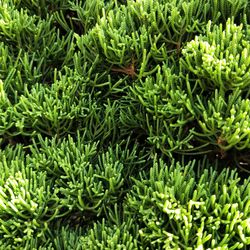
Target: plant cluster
{"points": [[124, 124]]}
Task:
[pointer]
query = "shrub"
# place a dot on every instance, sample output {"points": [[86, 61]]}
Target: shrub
{"points": [[124, 124]]}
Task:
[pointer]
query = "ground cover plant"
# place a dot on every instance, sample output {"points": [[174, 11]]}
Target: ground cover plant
{"points": [[124, 124]]}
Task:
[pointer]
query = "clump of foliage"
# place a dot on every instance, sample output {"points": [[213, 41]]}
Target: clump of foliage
{"points": [[124, 124], [192, 205]]}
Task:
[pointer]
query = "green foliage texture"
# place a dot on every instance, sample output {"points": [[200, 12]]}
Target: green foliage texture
{"points": [[124, 124]]}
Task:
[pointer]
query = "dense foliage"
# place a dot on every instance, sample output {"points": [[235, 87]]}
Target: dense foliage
{"points": [[125, 124]]}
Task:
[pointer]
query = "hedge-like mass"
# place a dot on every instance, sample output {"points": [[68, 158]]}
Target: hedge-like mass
{"points": [[124, 124]]}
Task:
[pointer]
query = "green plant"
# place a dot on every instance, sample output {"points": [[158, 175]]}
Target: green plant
{"points": [[124, 124]]}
